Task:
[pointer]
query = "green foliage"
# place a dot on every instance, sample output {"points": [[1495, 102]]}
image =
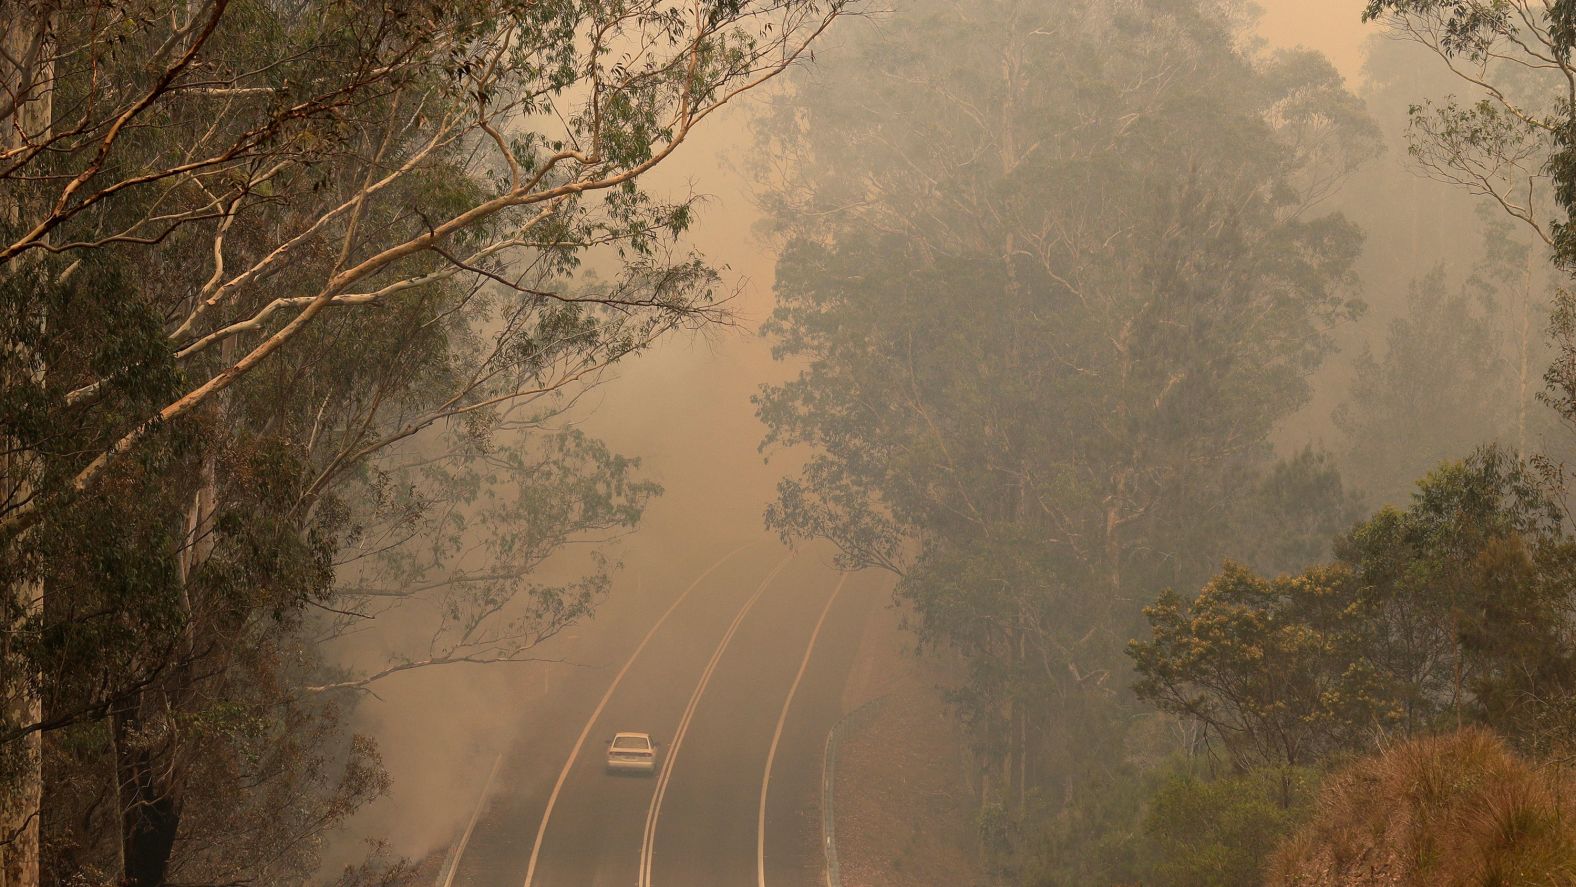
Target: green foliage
{"points": [[1218, 833], [1276, 668], [1560, 377], [1172, 826], [1473, 586], [1516, 126], [1455, 609], [1098, 837]]}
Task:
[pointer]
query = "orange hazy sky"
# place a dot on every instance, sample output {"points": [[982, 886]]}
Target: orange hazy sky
{"points": [[1333, 27]]}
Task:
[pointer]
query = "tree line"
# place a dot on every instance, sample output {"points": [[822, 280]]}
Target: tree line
{"points": [[1063, 285]]}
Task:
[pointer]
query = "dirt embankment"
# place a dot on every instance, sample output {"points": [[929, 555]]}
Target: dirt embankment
{"points": [[903, 808]]}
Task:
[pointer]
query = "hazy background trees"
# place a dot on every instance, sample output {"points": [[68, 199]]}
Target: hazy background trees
{"points": [[1459, 218], [1078, 299], [1054, 283]]}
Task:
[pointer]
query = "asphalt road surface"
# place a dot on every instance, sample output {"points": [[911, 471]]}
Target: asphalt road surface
{"points": [[737, 667]]}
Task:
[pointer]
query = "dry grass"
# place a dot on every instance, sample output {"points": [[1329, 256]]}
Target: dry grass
{"points": [[1459, 810]]}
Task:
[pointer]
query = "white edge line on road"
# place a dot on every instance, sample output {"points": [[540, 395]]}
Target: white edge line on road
{"points": [[777, 735], [552, 799], [481, 801], [648, 844]]}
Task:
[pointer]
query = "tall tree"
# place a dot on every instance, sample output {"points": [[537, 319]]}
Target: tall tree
{"points": [[1051, 282], [273, 281]]}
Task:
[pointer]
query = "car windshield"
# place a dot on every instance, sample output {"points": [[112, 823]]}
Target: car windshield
{"points": [[634, 742]]}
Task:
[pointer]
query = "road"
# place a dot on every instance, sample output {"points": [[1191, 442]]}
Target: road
{"points": [[733, 665]]}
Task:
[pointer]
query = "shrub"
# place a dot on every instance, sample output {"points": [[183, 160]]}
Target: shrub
{"points": [[1458, 810], [1173, 826]]}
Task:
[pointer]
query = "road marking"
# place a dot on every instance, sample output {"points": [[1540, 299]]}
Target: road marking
{"points": [[465, 839], [552, 799], [648, 844], [777, 735]]}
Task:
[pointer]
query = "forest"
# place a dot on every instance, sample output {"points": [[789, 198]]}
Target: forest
{"points": [[1205, 407]]}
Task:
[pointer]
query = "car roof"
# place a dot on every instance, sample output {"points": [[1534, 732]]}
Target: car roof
{"points": [[632, 735]]}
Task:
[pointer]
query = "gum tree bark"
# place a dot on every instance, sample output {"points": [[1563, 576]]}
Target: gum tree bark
{"points": [[26, 71]]}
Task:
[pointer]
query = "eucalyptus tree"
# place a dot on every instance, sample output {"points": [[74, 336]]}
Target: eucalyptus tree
{"points": [[1052, 276], [1508, 138], [1453, 610], [262, 265], [544, 106]]}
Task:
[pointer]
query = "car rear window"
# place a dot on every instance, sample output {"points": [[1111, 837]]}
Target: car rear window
{"points": [[631, 742]]}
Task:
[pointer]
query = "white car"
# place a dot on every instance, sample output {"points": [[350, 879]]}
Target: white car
{"points": [[632, 753]]}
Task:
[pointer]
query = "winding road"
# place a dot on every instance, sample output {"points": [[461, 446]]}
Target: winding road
{"points": [[738, 669]]}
